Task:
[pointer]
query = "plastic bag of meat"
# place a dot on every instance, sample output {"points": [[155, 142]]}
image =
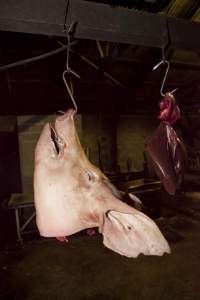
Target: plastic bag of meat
{"points": [[167, 152], [71, 195]]}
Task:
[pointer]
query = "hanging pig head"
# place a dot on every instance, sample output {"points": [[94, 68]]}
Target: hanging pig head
{"points": [[71, 194]]}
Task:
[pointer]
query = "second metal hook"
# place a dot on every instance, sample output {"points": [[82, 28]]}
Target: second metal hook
{"points": [[164, 62], [68, 88], [68, 71]]}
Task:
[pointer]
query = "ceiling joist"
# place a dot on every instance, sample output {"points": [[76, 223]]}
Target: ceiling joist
{"points": [[98, 22]]}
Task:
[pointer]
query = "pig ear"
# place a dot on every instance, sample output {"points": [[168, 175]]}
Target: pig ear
{"points": [[132, 234]]}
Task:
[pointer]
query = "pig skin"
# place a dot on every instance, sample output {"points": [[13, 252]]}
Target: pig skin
{"points": [[71, 195]]}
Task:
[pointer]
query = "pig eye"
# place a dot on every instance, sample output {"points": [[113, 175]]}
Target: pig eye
{"points": [[129, 227], [89, 176]]}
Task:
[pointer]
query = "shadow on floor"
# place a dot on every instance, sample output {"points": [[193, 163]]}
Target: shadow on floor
{"points": [[84, 269]]}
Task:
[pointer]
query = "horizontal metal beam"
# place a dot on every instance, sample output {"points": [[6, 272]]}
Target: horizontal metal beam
{"points": [[98, 21]]}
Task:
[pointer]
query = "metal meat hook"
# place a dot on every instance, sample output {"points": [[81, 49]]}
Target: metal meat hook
{"points": [[162, 62], [68, 70], [68, 88]]}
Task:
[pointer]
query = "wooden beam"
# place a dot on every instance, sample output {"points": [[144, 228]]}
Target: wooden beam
{"points": [[95, 21], [98, 21], [184, 34]]}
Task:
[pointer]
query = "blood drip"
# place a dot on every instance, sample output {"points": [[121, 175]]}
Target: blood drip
{"points": [[62, 238]]}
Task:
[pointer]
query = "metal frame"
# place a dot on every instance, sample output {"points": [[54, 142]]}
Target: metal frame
{"points": [[20, 227]]}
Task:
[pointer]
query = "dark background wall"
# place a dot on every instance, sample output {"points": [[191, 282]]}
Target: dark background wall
{"points": [[10, 175]]}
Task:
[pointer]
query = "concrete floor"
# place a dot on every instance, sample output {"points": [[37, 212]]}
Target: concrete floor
{"points": [[84, 269]]}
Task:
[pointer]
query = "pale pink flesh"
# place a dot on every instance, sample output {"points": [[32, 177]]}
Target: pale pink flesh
{"points": [[71, 194]]}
